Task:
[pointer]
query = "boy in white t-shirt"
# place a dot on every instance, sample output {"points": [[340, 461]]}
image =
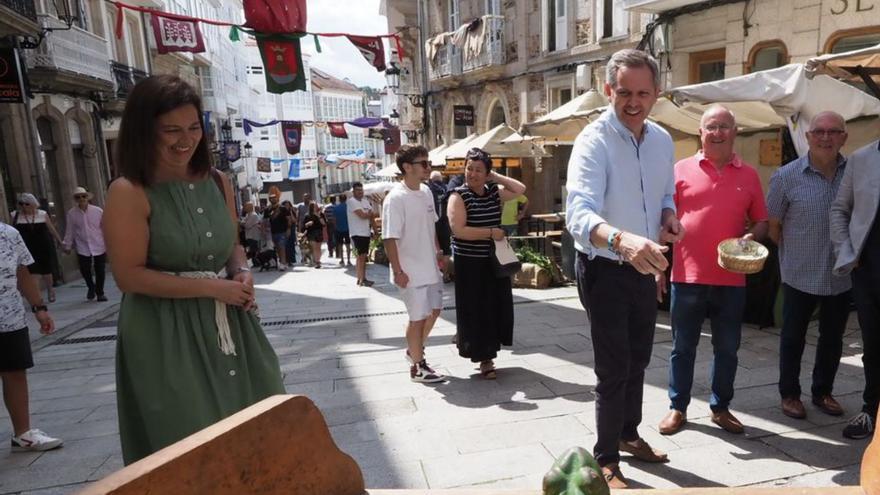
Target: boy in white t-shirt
{"points": [[360, 214], [408, 217]]}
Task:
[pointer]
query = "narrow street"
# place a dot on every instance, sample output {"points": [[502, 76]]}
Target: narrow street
{"points": [[342, 346]]}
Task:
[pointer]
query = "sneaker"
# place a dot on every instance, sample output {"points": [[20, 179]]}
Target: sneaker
{"points": [[367, 283], [419, 374], [425, 366], [102, 298], [35, 440], [861, 426]]}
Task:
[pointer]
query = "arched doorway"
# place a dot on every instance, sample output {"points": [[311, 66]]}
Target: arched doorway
{"points": [[496, 115], [50, 162]]}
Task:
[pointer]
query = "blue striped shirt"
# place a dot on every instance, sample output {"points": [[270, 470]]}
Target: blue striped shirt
{"points": [[800, 197], [613, 178]]}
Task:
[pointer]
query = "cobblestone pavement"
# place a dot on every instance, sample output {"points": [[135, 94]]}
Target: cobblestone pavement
{"points": [[343, 347]]}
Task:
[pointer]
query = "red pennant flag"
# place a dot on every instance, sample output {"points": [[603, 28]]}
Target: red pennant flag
{"points": [[292, 132], [337, 130], [174, 35], [371, 48], [275, 16]]}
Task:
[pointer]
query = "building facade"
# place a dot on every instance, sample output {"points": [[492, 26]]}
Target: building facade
{"points": [[524, 59]]}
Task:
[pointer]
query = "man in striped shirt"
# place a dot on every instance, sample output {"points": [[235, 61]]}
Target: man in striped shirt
{"points": [[799, 202]]}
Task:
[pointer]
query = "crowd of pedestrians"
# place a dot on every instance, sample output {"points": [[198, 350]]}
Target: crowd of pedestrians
{"points": [[180, 253]]}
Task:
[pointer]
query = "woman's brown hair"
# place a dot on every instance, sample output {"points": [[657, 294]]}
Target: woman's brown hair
{"points": [[136, 146]]}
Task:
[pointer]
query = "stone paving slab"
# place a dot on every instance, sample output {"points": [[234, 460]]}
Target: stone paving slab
{"points": [[343, 346]]}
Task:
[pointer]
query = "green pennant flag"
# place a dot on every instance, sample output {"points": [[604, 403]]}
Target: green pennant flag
{"points": [[282, 59], [233, 34]]}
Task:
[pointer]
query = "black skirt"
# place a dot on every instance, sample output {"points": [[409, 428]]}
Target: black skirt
{"points": [[483, 309]]}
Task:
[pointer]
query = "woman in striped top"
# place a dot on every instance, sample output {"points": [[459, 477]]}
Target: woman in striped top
{"points": [[483, 302]]}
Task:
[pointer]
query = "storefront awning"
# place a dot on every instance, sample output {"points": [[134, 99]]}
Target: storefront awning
{"points": [[493, 142], [858, 66]]}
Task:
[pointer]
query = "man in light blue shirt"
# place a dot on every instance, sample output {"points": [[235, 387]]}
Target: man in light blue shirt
{"points": [[619, 211]]}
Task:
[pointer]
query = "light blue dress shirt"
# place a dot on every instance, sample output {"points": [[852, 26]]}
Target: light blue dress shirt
{"points": [[615, 179]]}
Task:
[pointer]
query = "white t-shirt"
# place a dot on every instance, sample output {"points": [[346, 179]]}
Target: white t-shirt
{"points": [[13, 253], [358, 226], [408, 216]]}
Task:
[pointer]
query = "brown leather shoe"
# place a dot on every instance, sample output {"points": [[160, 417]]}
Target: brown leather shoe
{"points": [[828, 405], [613, 476], [641, 450], [672, 422], [793, 408], [727, 421]]}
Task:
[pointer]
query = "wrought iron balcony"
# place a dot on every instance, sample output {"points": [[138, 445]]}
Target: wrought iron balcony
{"points": [[126, 77], [447, 62], [492, 50], [74, 50], [24, 8]]}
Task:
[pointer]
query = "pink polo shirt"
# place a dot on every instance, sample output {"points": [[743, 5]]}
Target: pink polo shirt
{"points": [[713, 206]]}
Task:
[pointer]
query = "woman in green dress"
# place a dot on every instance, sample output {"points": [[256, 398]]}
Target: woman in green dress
{"points": [[189, 352]]}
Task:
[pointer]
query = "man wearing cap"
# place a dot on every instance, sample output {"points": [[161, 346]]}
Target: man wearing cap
{"points": [[83, 232]]}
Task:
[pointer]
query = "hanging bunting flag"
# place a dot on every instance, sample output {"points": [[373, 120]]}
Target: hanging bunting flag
{"points": [[372, 48], [282, 59], [293, 172], [392, 140], [337, 130], [176, 35], [292, 132], [232, 150], [264, 165], [275, 16]]}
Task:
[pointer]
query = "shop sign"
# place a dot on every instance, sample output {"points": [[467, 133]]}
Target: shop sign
{"points": [[463, 114], [11, 87]]}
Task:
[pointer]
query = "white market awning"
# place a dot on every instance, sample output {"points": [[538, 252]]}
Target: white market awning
{"points": [[563, 124], [438, 154], [853, 66], [786, 90], [497, 142], [655, 6]]}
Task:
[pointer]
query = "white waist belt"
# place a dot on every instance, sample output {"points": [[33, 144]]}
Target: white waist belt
{"points": [[224, 334]]}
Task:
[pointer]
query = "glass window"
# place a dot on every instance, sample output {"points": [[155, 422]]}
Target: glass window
{"points": [[707, 66], [857, 42], [767, 56]]}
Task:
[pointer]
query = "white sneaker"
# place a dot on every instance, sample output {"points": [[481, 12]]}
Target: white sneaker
{"points": [[35, 440]]}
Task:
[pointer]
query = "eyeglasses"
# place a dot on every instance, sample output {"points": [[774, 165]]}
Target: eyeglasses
{"points": [[827, 132], [423, 163], [81, 196], [718, 128]]}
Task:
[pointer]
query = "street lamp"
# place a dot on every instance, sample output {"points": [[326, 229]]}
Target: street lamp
{"points": [[394, 114], [248, 150], [392, 75]]}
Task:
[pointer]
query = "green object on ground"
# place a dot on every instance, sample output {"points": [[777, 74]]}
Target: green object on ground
{"points": [[575, 473], [528, 255]]}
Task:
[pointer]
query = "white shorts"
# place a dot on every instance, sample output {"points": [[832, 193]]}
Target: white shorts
{"points": [[422, 300]]}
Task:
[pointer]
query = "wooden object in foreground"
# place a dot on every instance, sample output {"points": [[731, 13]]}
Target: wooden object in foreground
{"points": [[280, 445]]}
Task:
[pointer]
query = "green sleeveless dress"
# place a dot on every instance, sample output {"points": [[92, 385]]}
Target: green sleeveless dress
{"points": [[171, 377]]}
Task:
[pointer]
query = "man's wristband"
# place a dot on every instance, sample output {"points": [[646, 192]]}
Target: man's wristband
{"points": [[612, 239], [36, 308]]}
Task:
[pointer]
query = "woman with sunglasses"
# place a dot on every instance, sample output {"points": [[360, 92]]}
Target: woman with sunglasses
{"points": [[40, 237], [483, 301]]}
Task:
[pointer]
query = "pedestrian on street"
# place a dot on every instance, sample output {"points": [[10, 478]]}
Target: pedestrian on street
{"points": [[512, 213], [252, 225], [313, 228], [444, 234], [329, 212], [483, 301], [408, 231], [799, 202], [279, 226], [715, 191], [360, 216], [855, 235], [83, 233], [189, 352], [292, 234], [620, 187], [340, 214], [40, 237], [15, 343], [302, 209]]}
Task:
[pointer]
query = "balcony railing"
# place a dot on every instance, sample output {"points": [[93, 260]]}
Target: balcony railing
{"points": [[24, 8], [447, 63], [126, 77], [73, 50], [492, 52]]}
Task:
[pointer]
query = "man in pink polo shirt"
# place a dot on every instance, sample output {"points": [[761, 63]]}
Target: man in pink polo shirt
{"points": [[715, 194]]}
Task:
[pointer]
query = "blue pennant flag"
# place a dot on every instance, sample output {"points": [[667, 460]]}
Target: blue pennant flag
{"points": [[294, 168]]}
